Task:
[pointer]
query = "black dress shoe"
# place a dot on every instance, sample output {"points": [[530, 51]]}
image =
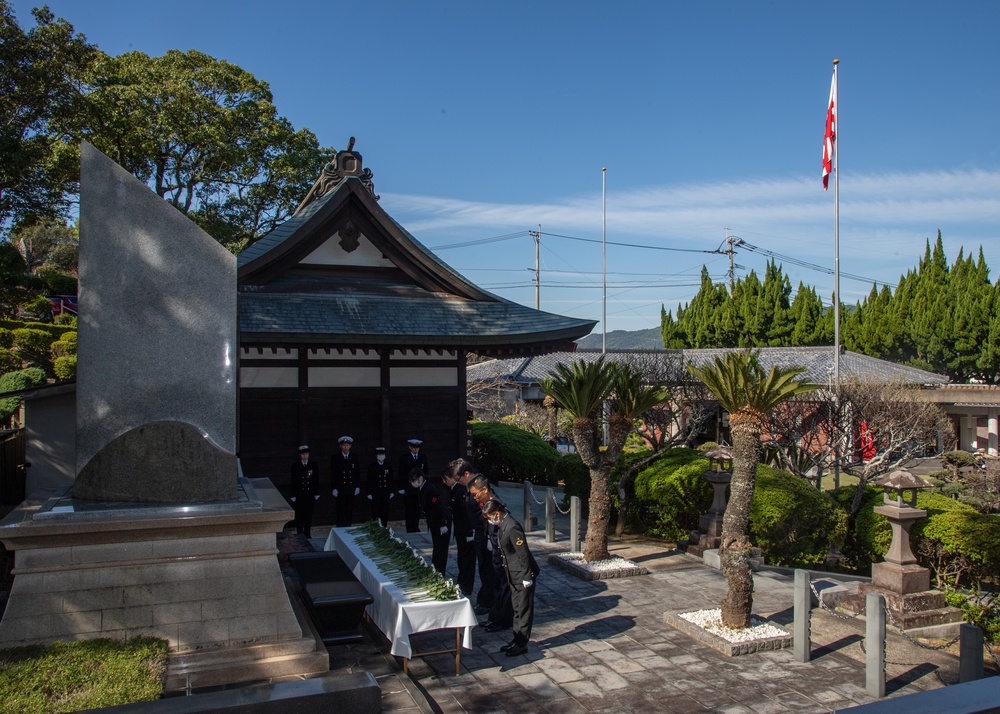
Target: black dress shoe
{"points": [[491, 627], [517, 650], [507, 646]]}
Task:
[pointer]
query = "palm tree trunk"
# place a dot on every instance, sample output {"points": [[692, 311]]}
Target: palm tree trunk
{"points": [[595, 547], [735, 549]]}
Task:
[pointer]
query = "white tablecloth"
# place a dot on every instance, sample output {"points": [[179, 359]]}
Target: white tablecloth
{"points": [[393, 611]]}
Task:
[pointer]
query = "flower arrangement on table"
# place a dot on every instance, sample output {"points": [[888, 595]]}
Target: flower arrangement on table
{"points": [[403, 564]]}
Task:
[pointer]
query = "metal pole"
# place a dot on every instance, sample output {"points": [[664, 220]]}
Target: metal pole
{"points": [[538, 274], [604, 252], [527, 507], [574, 524], [970, 653], [550, 515], [802, 609], [875, 645], [836, 268]]}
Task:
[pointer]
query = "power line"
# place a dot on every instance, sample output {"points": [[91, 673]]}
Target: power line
{"points": [[631, 245]]}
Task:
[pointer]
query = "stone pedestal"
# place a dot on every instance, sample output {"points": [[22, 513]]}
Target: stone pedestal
{"points": [[204, 577], [708, 535], [905, 585]]}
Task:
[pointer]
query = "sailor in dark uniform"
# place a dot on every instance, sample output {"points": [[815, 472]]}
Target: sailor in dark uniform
{"points": [[345, 479], [435, 511], [465, 472], [501, 613], [411, 501], [522, 573], [305, 491], [465, 536], [380, 486]]}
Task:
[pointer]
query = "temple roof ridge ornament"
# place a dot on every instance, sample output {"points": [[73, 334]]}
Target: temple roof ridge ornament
{"points": [[345, 163]]}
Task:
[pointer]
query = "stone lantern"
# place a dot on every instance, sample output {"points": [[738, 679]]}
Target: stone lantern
{"points": [[709, 533], [906, 586]]}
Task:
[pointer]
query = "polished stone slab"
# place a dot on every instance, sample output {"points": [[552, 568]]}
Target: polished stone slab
{"points": [[157, 336]]}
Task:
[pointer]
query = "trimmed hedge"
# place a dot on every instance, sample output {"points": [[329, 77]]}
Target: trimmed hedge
{"points": [[507, 453], [792, 522], [672, 494], [65, 367], [64, 346]]}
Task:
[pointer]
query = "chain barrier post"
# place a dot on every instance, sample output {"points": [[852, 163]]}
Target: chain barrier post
{"points": [[801, 623], [550, 515], [970, 653], [574, 524], [875, 645], [527, 507]]}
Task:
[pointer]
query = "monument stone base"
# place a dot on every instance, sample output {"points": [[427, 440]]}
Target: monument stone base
{"points": [[920, 614], [204, 577]]}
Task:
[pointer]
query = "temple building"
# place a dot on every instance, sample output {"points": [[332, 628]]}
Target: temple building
{"points": [[350, 326]]}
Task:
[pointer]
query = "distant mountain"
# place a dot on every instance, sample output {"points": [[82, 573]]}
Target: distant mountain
{"points": [[651, 339]]}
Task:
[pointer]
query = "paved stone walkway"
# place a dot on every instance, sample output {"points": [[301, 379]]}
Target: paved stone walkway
{"points": [[602, 646]]}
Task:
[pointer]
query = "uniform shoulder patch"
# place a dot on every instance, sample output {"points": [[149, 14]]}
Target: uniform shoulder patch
{"points": [[519, 542]]}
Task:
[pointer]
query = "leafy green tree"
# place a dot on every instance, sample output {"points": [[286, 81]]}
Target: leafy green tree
{"points": [[206, 136], [748, 393], [41, 89], [582, 390]]}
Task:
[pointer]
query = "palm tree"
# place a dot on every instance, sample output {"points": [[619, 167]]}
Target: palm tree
{"points": [[744, 390], [581, 390]]}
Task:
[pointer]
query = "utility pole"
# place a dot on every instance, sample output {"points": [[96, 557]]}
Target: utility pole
{"points": [[731, 243], [537, 235]]}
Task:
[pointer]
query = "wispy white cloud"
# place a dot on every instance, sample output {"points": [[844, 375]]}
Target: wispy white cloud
{"points": [[884, 223]]}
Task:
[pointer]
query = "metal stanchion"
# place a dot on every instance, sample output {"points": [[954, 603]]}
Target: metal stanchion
{"points": [[527, 507], [550, 515], [875, 645], [970, 653], [574, 524], [801, 627]]}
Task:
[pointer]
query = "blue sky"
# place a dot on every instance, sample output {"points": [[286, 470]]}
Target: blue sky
{"points": [[482, 120]]}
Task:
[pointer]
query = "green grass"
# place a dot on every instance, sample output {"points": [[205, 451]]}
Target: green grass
{"points": [[73, 676]]}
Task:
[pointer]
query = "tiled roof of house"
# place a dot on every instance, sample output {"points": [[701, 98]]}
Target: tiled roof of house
{"points": [[818, 363], [390, 319]]}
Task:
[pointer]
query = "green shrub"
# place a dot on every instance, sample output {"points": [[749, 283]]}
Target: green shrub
{"points": [[969, 541], [868, 534], [979, 609], [66, 319], [507, 453], [30, 341], [9, 360], [74, 676], [672, 494], [12, 382], [791, 521], [65, 367], [6, 338], [573, 474], [58, 283], [64, 346]]}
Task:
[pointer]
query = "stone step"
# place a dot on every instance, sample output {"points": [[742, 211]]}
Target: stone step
{"points": [[249, 664]]}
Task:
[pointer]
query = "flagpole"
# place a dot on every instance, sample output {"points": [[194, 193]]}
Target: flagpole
{"points": [[836, 270], [604, 260], [836, 239]]}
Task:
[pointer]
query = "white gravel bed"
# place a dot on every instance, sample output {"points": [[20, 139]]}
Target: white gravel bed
{"points": [[612, 564], [711, 621]]}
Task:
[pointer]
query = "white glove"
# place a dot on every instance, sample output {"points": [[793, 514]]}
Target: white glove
{"points": [[335, 494], [317, 498], [443, 530], [369, 497], [527, 583], [402, 491], [470, 539], [293, 499], [489, 545], [391, 495], [357, 491]]}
